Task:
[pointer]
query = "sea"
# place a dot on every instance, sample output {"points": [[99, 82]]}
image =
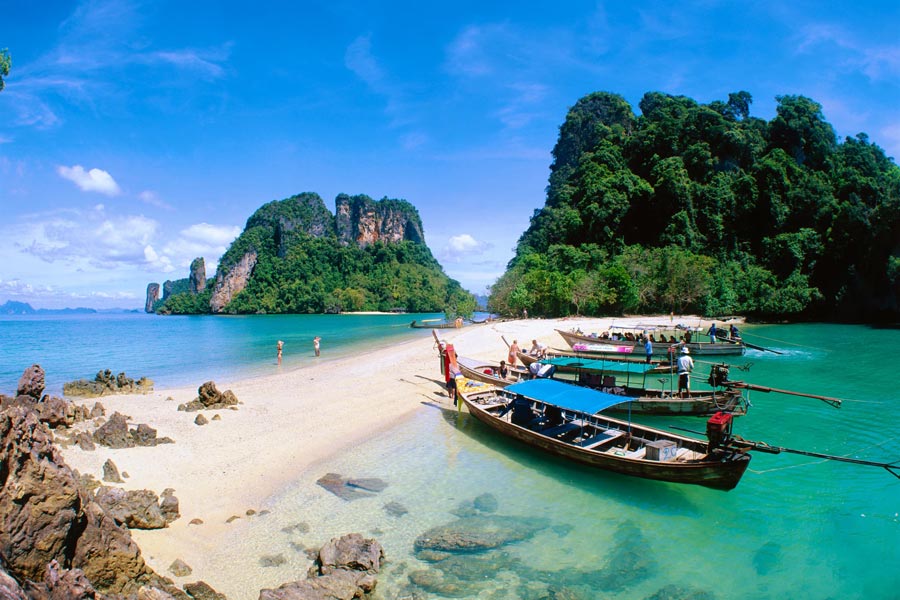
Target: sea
{"points": [[795, 526]]}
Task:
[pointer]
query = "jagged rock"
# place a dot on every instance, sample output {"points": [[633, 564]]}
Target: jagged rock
{"points": [[111, 472], [197, 279], [9, 587], [231, 281], [168, 505], [144, 435], [179, 568], [98, 411], [114, 433], [344, 569], [105, 383], [153, 593], [209, 397], [83, 440], [32, 382], [61, 584], [196, 522], [216, 418], [41, 499], [201, 590], [201, 420], [135, 509], [152, 297]]}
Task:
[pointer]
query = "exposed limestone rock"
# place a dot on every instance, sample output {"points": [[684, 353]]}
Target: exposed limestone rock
{"points": [[201, 420], [32, 382], [153, 593], [209, 397], [105, 384], [198, 275], [152, 297], [179, 568], [59, 583], [9, 587], [111, 472], [98, 411], [84, 441], [345, 569], [363, 221], [232, 281], [168, 505], [168, 288], [115, 434], [135, 509], [201, 590], [46, 515]]}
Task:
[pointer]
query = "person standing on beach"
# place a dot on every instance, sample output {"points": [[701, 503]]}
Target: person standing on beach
{"points": [[280, 347], [512, 358], [316, 341], [685, 366]]}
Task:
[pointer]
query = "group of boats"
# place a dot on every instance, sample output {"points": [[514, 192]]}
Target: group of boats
{"points": [[578, 404]]}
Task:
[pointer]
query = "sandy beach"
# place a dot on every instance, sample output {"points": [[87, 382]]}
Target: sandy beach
{"points": [[286, 423]]}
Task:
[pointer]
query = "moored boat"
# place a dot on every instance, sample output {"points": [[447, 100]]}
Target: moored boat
{"points": [[638, 399], [562, 419], [663, 345]]}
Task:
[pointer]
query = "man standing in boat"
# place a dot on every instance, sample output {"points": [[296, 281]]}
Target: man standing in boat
{"points": [[712, 333], [648, 348], [685, 366]]}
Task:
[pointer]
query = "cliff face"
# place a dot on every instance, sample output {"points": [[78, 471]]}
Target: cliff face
{"points": [[361, 220], [280, 225], [152, 296]]}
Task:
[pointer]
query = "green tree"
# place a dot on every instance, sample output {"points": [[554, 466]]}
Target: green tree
{"points": [[5, 64]]}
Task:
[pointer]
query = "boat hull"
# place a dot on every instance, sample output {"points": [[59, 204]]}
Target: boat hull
{"points": [[721, 472], [586, 343]]}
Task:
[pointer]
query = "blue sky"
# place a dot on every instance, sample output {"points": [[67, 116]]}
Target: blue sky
{"points": [[135, 136]]}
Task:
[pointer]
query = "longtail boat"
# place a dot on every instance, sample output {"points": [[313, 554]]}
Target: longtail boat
{"points": [[435, 324], [619, 343], [562, 419], [638, 399]]}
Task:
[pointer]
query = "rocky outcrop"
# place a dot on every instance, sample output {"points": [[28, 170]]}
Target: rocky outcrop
{"points": [[46, 515], [105, 384], [209, 397], [31, 383], [135, 509], [232, 281], [345, 569], [363, 221], [198, 276], [168, 289], [152, 297], [53, 411], [115, 434]]}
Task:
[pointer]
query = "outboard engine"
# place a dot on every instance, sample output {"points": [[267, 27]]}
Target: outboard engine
{"points": [[718, 430], [718, 375]]}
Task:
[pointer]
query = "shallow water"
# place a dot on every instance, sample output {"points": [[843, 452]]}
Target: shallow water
{"points": [[795, 527]]}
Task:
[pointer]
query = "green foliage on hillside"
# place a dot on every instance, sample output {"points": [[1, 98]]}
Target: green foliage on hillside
{"points": [[693, 207], [303, 267]]}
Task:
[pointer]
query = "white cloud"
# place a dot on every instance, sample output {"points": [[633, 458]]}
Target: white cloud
{"points": [[216, 235], [153, 199], [360, 60], [463, 245], [95, 180]]}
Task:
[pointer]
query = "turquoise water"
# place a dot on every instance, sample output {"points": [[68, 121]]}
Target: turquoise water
{"points": [[177, 350], [795, 527]]}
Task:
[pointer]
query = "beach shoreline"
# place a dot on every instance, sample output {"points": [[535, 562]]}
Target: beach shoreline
{"points": [[288, 422]]}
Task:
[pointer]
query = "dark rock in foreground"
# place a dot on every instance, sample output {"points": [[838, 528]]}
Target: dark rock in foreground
{"points": [[209, 397], [105, 384], [344, 569]]}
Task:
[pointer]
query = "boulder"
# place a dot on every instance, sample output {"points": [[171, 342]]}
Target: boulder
{"points": [[61, 584], [111, 472], [345, 569], [32, 382], [201, 590], [144, 435], [168, 505], [105, 383], [98, 411], [114, 433], [9, 587], [179, 568], [209, 397], [135, 509], [201, 420], [84, 441]]}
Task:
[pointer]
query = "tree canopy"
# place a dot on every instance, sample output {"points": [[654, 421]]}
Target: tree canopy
{"points": [[703, 207], [5, 64]]}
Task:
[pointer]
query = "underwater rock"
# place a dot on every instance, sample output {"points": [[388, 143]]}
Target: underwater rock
{"points": [[675, 592], [343, 488], [395, 509], [767, 558], [479, 533]]}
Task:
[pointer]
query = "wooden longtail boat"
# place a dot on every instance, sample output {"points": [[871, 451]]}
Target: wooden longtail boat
{"points": [[576, 362], [637, 399], [589, 343], [427, 324], [562, 419]]}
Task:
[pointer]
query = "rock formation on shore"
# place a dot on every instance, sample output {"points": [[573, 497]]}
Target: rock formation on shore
{"points": [[198, 276], [152, 296], [105, 383]]}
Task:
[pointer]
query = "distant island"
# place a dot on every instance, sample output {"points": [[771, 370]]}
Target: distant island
{"points": [[294, 256], [12, 307], [703, 208]]}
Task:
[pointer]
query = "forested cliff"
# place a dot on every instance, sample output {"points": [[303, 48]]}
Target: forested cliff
{"points": [[294, 256], [702, 207]]}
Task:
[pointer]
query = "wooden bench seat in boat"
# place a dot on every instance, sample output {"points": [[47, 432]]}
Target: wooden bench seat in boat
{"points": [[601, 438], [561, 430]]}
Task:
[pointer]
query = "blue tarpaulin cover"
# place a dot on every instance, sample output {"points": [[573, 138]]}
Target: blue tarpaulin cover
{"points": [[598, 364], [566, 395]]}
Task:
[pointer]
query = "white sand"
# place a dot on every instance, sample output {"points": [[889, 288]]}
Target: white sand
{"points": [[286, 423]]}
